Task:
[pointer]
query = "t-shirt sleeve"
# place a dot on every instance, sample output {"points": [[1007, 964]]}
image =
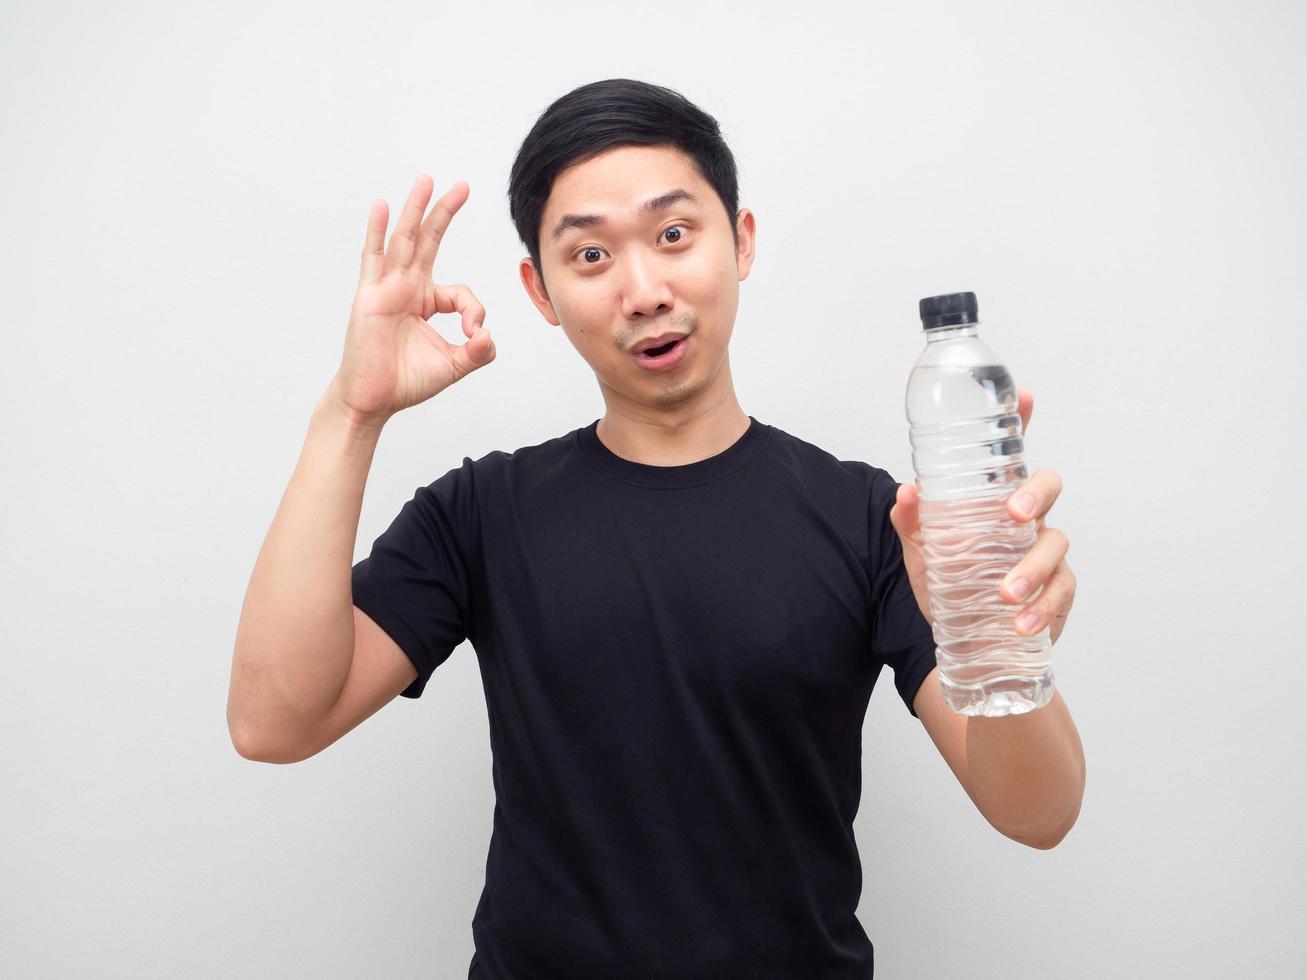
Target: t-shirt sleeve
{"points": [[901, 635], [415, 583]]}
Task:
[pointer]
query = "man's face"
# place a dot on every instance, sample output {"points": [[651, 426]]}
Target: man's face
{"points": [[637, 274]]}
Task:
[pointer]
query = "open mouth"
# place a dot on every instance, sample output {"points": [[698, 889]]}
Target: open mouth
{"points": [[664, 357], [655, 351]]}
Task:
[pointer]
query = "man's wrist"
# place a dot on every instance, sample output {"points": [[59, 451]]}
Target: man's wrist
{"points": [[357, 425]]}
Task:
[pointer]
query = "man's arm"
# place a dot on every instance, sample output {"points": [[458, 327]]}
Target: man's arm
{"points": [[295, 639], [299, 679], [1025, 773]]}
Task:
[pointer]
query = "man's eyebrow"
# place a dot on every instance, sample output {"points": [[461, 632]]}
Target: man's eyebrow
{"points": [[659, 203]]}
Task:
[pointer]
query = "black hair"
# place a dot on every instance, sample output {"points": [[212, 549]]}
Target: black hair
{"points": [[600, 116]]}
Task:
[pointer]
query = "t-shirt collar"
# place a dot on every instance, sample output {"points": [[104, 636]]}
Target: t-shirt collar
{"points": [[670, 477]]}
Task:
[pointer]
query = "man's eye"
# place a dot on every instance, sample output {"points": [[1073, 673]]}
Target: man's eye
{"points": [[592, 254]]}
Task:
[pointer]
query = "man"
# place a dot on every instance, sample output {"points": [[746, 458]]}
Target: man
{"points": [[678, 611]]}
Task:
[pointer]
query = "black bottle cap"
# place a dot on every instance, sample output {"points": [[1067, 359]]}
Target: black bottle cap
{"points": [[948, 310]]}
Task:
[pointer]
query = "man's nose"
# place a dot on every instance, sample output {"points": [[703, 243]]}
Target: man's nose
{"points": [[645, 290]]}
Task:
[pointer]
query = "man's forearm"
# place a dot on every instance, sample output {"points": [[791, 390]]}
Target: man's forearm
{"points": [[1026, 772], [295, 639]]}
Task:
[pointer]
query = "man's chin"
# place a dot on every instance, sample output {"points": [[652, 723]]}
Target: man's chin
{"points": [[677, 392]]}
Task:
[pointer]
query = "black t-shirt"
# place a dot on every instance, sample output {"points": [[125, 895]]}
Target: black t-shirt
{"points": [[676, 662]]}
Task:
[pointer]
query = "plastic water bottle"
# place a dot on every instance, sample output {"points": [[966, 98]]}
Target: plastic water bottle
{"points": [[967, 453]]}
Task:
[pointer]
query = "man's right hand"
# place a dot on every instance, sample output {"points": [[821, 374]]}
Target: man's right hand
{"points": [[393, 357]]}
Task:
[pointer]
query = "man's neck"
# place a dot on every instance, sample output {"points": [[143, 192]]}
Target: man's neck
{"points": [[666, 439]]}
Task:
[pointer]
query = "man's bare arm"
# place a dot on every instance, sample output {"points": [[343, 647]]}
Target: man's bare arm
{"points": [[295, 639], [299, 678], [1025, 773]]}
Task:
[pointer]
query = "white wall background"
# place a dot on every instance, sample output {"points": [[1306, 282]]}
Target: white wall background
{"points": [[185, 191]]}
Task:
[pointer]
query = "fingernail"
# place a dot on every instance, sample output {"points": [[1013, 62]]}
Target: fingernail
{"points": [[1019, 588], [1027, 621], [1025, 504]]}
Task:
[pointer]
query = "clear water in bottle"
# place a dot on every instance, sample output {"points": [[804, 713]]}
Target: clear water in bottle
{"points": [[967, 452]]}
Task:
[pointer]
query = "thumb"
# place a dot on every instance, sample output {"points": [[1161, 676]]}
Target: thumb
{"points": [[905, 514], [476, 352], [481, 348]]}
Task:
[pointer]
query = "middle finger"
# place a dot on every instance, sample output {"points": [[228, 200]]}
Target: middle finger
{"points": [[1035, 496], [433, 229], [399, 254], [1036, 567]]}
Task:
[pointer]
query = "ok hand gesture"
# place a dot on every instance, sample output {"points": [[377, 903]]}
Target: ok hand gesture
{"points": [[393, 357]]}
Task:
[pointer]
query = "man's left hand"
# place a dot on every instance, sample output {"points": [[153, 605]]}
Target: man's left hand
{"points": [[1049, 584]]}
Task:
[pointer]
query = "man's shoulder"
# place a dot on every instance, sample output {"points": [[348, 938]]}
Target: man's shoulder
{"points": [[535, 452], [524, 457], [810, 460]]}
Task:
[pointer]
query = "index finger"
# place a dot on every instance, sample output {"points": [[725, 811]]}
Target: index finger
{"points": [[1025, 406]]}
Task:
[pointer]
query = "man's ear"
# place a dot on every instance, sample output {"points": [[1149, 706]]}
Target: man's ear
{"points": [[744, 232], [535, 288]]}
